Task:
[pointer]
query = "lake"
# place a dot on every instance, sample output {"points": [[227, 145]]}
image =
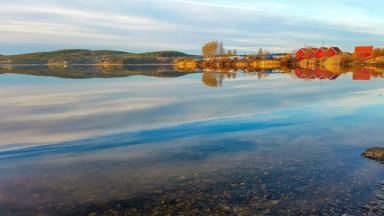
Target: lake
{"points": [[151, 140]]}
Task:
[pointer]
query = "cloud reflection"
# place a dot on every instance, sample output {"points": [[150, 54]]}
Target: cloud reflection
{"points": [[79, 109]]}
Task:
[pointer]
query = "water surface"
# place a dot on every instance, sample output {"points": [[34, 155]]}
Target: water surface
{"points": [[153, 140]]}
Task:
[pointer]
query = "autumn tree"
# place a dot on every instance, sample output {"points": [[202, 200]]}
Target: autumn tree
{"points": [[211, 49], [376, 52], [234, 52]]}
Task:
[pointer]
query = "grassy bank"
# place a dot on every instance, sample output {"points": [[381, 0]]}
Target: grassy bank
{"points": [[228, 63]]}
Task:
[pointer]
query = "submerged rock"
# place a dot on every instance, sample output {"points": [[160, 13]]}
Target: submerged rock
{"points": [[376, 206], [375, 153]]}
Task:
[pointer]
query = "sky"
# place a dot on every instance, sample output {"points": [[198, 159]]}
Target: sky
{"points": [[185, 25]]}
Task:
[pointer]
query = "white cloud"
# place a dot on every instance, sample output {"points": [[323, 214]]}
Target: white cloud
{"points": [[186, 24]]}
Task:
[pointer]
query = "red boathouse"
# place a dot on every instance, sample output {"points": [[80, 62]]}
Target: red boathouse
{"points": [[332, 51], [300, 54], [320, 53], [306, 53], [363, 51]]}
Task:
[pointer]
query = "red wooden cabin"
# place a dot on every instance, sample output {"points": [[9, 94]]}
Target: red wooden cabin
{"points": [[363, 51], [300, 54], [320, 53], [305, 53], [332, 51], [310, 53]]}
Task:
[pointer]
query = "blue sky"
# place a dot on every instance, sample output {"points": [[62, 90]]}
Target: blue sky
{"points": [[184, 25]]}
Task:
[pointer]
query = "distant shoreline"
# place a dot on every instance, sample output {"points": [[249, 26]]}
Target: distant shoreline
{"points": [[103, 58]]}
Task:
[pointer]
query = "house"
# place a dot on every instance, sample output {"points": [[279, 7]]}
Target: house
{"points": [[320, 53], [305, 53], [300, 54], [332, 51], [363, 51]]}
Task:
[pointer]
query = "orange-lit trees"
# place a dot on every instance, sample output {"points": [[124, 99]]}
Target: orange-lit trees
{"points": [[211, 49], [377, 52]]}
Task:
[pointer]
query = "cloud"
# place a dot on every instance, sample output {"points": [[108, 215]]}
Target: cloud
{"points": [[186, 24], [122, 21]]}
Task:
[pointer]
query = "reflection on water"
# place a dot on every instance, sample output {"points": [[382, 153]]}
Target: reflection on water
{"points": [[216, 78], [266, 143], [210, 77], [86, 71]]}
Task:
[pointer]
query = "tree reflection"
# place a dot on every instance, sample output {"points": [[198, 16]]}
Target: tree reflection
{"points": [[215, 78]]}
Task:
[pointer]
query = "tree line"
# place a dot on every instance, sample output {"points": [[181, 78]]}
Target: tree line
{"points": [[215, 48]]}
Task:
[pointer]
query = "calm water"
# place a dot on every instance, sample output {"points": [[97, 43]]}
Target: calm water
{"points": [[151, 140]]}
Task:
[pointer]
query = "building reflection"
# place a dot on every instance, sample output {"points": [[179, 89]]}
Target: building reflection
{"points": [[361, 74], [321, 74], [215, 78]]}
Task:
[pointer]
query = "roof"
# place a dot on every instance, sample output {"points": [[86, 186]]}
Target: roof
{"points": [[322, 48], [307, 49], [337, 49]]}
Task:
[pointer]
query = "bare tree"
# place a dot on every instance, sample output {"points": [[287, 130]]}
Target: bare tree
{"points": [[221, 49], [260, 53]]}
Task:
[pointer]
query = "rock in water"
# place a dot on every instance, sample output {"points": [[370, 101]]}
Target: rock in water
{"points": [[376, 206], [375, 153]]}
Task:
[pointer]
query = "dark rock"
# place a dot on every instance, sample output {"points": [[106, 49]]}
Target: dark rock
{"points": [[375, 153]]}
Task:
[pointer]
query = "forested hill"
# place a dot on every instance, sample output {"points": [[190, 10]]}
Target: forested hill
{"points": [[82, 56]]}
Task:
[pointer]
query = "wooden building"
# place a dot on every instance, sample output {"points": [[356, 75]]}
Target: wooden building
{"points": [[363, 51], [306, 53], [332, 51], [320, 53]]}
